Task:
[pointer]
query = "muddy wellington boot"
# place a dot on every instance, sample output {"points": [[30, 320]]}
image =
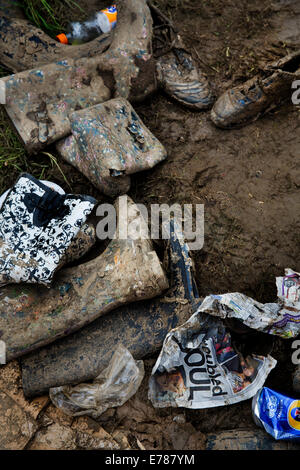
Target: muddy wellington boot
{"points": [[109, 142], [40, 98], [37, 226], [249, 101], [128, 270], [81, 244], [140, 327], [110, 183]]}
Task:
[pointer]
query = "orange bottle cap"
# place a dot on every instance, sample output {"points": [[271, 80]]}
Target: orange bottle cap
{"points": [[111, 14], [62, 38]]}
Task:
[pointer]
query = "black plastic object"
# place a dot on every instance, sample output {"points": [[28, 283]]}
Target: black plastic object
{"points": [[140, 327]]}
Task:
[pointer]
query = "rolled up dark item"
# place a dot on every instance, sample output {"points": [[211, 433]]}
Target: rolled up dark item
{"points": [[140, 327]]}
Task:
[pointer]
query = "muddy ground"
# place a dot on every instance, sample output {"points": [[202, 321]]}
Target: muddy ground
{"points": [[248, 179]]}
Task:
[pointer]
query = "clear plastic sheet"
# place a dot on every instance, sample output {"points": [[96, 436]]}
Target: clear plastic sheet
{"points": [[113, 387]]}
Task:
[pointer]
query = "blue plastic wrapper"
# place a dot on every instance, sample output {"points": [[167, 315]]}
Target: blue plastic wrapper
{"points": [[278, 414]]}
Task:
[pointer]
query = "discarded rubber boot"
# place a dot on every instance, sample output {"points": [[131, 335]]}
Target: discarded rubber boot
{"points": [[128, 270], [111, 388], [25, 46], [249, 101], [180, 79], [109, 185], [109, 142], [140, 327], [50, 184], [65, 86], [81, 244], [37, 226], [39, 100]]}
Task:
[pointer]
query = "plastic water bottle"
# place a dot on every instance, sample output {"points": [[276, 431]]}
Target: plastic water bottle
{"points": [[103, 22]]}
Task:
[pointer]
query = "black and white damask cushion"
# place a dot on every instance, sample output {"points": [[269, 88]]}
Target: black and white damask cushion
{"points": [[37, 225]]}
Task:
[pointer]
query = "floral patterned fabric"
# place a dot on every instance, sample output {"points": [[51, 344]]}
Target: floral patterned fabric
{"points": [[37, 225]]}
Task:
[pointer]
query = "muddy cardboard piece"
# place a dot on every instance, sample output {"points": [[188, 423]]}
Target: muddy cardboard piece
{"points": [[126, 271], [140, 327]]}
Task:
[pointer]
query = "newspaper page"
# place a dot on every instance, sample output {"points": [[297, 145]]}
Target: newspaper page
{"points": [[281, 318], [199, 368]]}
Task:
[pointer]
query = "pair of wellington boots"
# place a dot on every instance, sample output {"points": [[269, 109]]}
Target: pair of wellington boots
{"points": [[128, 270], [140, 327]]}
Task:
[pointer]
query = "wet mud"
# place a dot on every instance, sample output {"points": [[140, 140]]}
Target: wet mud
{"points": [[248, 180]]}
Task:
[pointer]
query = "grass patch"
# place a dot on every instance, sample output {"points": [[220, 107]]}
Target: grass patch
{"points": [[14, 159], [12, 152], [52, 16]]}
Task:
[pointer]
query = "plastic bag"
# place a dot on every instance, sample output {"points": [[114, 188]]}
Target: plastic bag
{"points": [[113, 387]]}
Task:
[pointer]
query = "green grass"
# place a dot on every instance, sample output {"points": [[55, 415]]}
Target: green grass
{"points": [[15, 160], [12, 152], [52, 16]]}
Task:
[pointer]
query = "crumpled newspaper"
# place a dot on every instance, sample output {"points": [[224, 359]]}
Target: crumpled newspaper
{"points": [[199, 368], [113, 387], [281, 318]]}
